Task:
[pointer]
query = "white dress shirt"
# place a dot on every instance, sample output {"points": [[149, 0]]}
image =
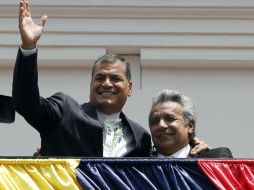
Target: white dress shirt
{"points": [[117, 138], [183, 153]]}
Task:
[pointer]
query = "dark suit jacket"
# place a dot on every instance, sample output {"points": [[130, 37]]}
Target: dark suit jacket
{"points": [[7, 112], [66, 128], [221, 152]]}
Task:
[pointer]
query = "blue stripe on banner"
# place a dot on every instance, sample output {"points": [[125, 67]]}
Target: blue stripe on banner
{"points": [[142, 173]]}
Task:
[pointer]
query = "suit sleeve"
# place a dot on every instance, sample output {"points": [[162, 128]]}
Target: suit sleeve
{"points": [[38, 111], [221, 152], [225, 153]]}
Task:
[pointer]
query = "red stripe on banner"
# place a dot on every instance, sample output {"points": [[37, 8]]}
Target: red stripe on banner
{"points": [[229, 174]]}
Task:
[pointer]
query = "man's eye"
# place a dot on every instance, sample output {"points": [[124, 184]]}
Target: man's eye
{"points": [[116, 79], [99, 78], [170, 119], [154, 121]]}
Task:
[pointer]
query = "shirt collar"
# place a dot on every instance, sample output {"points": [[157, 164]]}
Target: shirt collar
{"points": [[183, 153], [112, 118]]}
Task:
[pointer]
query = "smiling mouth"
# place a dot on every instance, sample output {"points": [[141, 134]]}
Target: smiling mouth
{"points": [[165, 135], [106, 93]]}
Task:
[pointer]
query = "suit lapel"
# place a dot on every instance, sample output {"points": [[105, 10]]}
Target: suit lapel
{"points": [[96, 127], [134, 131]]}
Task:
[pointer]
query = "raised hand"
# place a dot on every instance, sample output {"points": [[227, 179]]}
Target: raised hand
{"points": [[29, 31]]}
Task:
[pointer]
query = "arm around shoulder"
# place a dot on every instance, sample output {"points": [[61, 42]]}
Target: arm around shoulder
{"points": [[220, 152]]}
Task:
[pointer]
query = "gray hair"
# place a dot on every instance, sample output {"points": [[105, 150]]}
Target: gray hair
{"points": [[186, 103], [112, 58]]}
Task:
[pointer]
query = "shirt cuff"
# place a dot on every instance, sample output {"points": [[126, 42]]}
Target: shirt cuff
{"points": [[27, 52]]}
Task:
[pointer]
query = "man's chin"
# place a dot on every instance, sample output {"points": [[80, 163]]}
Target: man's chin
{"points": [[165, 148], [105, 105], [166, 138], [165, 144]]}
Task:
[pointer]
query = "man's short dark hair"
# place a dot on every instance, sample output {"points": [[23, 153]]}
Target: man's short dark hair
{"points": [[112, 58]]}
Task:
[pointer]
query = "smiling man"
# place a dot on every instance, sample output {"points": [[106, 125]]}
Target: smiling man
{"points": [[96, 128], [111, 83], [172, 122]]}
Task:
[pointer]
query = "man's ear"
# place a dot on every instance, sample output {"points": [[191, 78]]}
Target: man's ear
{"points": [[191, 127], [130, 89]]}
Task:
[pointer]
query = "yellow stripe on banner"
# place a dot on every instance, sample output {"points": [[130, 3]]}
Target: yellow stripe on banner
{"points": [[38, 174]]}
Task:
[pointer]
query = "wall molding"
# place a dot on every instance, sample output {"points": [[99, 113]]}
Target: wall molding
{"points": [[137, 27]]}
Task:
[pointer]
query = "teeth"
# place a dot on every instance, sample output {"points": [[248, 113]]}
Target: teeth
{"points": [[106, 93]]}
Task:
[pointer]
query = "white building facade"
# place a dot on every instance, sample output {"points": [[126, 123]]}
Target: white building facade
{"points": [[204, 49]]}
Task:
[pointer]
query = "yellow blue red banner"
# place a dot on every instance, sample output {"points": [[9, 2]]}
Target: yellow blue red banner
{"points": [[126, 174]]}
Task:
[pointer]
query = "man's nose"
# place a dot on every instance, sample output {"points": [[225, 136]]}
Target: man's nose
{"points": [[107, 82], [163, 124]]}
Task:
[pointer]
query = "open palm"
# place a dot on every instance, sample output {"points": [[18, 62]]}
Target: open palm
{"points": [[30, 32]]}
